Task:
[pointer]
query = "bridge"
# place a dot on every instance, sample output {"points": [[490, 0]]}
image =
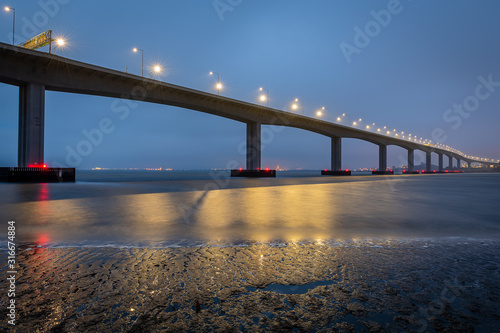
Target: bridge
{"points": [[36, 72]]}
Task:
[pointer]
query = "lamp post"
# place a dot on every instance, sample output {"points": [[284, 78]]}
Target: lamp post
{"points": [[264, 97], [8, 9], [142, 59], [218, 85]]}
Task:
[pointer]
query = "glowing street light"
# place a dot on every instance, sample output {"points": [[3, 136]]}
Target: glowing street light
{"points": [[135, 49], [264, 97], [60, 42], [8, 9], [156, 69], [321, 112], [295, 105], [218, 85]]}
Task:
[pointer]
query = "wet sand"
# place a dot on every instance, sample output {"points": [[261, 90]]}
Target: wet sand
{"points": [[414, 286]]}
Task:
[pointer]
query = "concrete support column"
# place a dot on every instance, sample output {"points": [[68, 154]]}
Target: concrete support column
{"points": [[31, 124], [428, 165], [253, 146], [450, 162], [336, 153], [382, 157], [458, 163], [468, 165], [411, 160], [440, 162]]}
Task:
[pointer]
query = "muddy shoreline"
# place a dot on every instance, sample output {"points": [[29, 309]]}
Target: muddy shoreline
{"points": [[413, 286]]}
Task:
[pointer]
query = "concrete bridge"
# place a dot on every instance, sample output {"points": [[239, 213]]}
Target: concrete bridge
{"points": [[36, 72]]}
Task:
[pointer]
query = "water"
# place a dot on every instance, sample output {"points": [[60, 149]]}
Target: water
{"points": [[134, 251], [175, 208]]}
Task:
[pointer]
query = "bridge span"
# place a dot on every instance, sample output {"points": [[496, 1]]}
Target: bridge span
{"points": [[36, 72]]}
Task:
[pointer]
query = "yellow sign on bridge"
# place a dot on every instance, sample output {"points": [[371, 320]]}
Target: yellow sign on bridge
{"points": [[41, 40]]}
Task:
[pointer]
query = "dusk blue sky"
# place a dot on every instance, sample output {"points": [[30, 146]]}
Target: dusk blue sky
{"points": [[414, 68]]}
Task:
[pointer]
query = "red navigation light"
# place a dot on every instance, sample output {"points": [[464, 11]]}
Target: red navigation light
{"points": [[258, 169], [267, 169], [42, 239], [241, 169], [392, 171], [434, 171], [326, 170], [346, 170], [45, 166]]}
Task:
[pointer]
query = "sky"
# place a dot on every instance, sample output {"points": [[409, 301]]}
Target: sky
{"points": [[423, 67]]}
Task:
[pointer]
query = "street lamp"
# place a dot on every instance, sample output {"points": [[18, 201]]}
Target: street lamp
{"points": [[218, 85], [321, 112], [295, 104], [156, 69], [264, 97], [59, 43], [135, 49], [8, 9]]}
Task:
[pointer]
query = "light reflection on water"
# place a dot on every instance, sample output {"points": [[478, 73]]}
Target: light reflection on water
{"points": [[286, 210]]}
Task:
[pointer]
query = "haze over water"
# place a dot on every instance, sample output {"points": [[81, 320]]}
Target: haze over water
{"points": [[119, 208]]}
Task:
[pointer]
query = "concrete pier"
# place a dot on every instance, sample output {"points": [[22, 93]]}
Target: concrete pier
{"points": [[253, 155], [336, 159], [31, 124], [253, 146], [428, 165], [336, 153], [382, 157], [440, 162], [37, 175], [411, 160]]}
